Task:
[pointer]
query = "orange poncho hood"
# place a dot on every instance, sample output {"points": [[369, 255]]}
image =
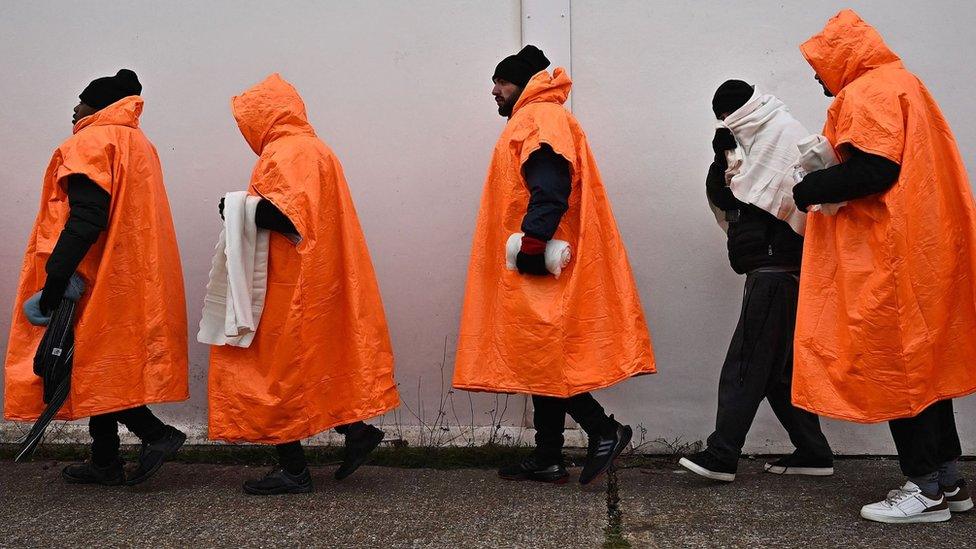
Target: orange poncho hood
{"points": [[544, 88], [124, 112], [270, 110], [847, 48]]}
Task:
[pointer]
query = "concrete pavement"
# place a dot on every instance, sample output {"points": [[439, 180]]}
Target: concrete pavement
{"points": [[201, 505]]}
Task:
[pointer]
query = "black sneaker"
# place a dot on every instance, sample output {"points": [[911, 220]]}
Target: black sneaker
{"points": [[603, 450], [89, 473], [358, 448], [539, 470], [152, 455], [797, 464], [708, 466], [279, 481]]}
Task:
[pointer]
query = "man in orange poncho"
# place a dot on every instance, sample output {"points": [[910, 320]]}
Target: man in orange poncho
{"points": [[555, 338], [321, 356], [104, 215], [887, 311]]}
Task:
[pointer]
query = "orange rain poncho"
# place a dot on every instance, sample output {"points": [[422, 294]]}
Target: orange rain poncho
{"points": [[543, 335], [887, 315], [130, 331], [321, 356]]}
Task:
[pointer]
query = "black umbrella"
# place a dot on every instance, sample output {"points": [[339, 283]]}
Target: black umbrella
{"points": [[52, 363]]}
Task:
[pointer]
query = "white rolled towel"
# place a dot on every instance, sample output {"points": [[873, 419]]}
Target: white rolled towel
{"points": [[238, 284], [558, 254], [816, 153]]}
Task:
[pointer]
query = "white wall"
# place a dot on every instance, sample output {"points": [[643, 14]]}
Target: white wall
{"points": [[401, 92]]}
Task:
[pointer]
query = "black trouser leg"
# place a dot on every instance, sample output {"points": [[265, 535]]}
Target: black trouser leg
{"points": [[802, 426], [291, 456], [950, 448], [585, 410], [352, 429], [142, 423], [760, 351], [549, 418], [926, 441], [104, 431]]}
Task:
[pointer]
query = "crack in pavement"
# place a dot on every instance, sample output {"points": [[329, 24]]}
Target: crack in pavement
{"points": [[613, 532]]}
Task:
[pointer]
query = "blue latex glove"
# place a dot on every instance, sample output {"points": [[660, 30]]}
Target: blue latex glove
{"points": [[32, 308]]}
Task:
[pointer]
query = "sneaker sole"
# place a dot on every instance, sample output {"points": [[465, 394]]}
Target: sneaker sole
{"points": [[807, 471], [117, 482], [933, 516], [699, 470], [299, 490], [618, 449], [148, 474], [961, 506]]}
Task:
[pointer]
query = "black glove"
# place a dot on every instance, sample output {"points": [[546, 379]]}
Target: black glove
{"points": [[220, 207], [532, 264], [723, 141], [715, 180], [52, 293], [803, 191]]}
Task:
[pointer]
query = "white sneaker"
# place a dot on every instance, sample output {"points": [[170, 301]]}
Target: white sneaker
{"points": [[958, 497], [908, 504]]}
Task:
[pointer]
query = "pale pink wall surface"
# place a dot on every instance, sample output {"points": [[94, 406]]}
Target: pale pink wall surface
{"points": [[401, 92]]}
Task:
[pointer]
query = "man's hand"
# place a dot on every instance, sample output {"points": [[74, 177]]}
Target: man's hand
{"points": [[51, 294], [531, 259], [220, 207], [802, 191], [531, 264], [723, 141]]}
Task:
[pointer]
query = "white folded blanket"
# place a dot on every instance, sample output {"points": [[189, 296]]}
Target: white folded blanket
{"points": [[558, 254], [816, 153], [761, 167], [238, 281]]}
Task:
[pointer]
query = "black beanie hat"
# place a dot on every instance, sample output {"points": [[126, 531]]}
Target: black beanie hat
{"points": [[102, 92], [521, 67], [730, 96]]}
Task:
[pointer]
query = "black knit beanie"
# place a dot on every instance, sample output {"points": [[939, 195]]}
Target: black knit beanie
{"points": [[730, 96], [102, 92], [521, 67]]}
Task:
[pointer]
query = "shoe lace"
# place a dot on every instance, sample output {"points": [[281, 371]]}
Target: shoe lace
{"points": [[274, 470], [897, 496]]}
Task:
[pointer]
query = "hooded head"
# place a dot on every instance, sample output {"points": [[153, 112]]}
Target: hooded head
{"points": [[845, 49], [268, 110]]}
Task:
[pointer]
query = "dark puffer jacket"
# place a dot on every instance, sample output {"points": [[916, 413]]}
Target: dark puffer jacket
{"points": [[757, 239]]}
